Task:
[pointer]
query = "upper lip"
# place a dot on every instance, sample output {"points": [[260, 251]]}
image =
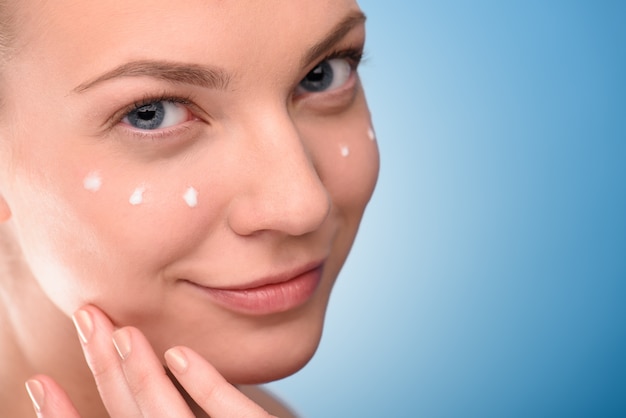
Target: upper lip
{"points": [[282, 277]]}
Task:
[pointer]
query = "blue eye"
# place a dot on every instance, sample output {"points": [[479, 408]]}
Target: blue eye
{"points": [[328, 75], [157, 115]]}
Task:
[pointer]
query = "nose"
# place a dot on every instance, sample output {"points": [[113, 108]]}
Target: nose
{"points": [[281, 189]]}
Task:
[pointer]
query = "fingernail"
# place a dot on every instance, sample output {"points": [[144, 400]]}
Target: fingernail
{"points": [[36, 393], [176, 360], [84, 325], [121, 341]]}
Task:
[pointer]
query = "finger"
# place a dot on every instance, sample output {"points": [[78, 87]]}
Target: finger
{"points": [[152, 389], [49, 399], [95, 332], [208, 388]]}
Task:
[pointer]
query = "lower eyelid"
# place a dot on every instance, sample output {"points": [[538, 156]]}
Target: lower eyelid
{"points": [[180, 133]]}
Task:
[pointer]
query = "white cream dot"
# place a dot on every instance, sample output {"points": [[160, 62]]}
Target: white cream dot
{"points": [[191, 197], [345, 151], [371, 134], [92, 182], [137, 197]]}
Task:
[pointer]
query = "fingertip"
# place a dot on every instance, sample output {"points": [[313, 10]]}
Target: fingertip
{"points": [[176, 360], [48, 398], [96, 313], [208, 388], [36, 393], [122, 340], [84, 324]]}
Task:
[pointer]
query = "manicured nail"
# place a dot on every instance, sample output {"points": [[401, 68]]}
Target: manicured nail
{"points": [[36, 393], [121, 341], [176, 360], [84, 325]]}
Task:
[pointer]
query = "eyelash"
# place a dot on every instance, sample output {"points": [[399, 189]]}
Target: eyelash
{"points": [[354, 55]]}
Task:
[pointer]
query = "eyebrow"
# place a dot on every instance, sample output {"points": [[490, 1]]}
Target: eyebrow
{"points": [[335, 35], [198, 75], [213, 77]]}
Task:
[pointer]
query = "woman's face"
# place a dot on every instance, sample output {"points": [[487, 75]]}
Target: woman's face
{"points": [[198, 170]]}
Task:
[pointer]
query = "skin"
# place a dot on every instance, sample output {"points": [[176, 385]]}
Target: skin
{"points": [[275, 193]]}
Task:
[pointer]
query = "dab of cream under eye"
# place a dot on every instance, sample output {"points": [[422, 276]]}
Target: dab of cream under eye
{"points": [[191, 197], [137, 197], [371, 135], [345, 151], [93, 181]]}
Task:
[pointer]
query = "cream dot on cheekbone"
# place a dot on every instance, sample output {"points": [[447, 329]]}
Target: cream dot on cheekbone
{"points": [[345, 151], [370, 134], [191, 197], [137, 197], [92, 181]]}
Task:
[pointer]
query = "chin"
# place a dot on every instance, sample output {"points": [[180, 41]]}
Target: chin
{"points": [[267, 370], [273, 356]]}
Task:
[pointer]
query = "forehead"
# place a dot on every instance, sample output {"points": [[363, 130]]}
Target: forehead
{"points": [[97, 34]]}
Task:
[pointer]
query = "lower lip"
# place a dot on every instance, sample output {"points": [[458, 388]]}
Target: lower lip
{"points": [[268, 299]]}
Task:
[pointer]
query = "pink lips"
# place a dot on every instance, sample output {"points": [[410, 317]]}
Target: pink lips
{"points": [[269, 295]]}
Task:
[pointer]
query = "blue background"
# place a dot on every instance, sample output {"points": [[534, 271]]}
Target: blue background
{"points": [[489, 276]]}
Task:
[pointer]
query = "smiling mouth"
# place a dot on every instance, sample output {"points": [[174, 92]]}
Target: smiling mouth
{"points": [[270, 295]]}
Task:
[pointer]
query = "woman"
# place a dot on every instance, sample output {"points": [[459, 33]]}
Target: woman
{"points": [[184, 179]]}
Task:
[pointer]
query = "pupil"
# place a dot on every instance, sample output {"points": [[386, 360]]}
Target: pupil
{"points": [[319, 78], [317, 74], [147, 112], [149, 116]]}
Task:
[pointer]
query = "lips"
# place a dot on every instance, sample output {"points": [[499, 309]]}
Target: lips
{"points": [[273, 294]]}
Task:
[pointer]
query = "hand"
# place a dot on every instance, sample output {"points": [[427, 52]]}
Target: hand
{"points": [[132, 381]]}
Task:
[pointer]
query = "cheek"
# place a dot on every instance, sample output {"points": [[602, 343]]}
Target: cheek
{"points": [[346, 155], [97, 236]]}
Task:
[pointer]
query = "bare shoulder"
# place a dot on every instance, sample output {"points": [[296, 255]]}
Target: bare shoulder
{"points": [[268, 401]]}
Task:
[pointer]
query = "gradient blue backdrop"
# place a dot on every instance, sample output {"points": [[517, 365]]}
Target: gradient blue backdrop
{"points": [[489, 276]]}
